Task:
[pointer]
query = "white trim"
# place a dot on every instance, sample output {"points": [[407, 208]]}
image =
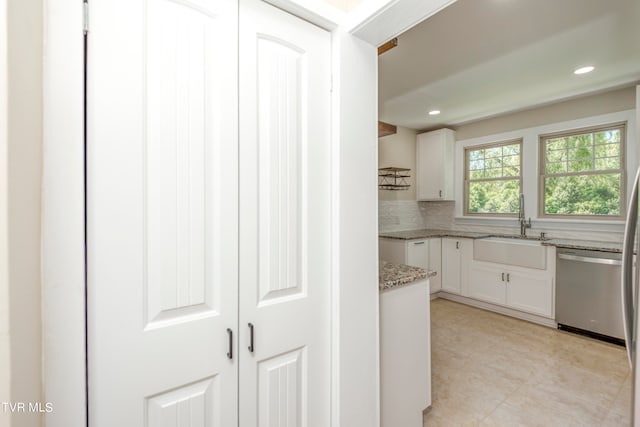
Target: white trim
{"points": [[377, 21], [355, 115], [530, 151], [5, 343], [546, 224], [63, 214], [335, 234], [319, 13]]}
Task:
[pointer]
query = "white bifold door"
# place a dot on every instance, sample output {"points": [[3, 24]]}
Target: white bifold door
{"points": [[208, 179], [284, 218]]}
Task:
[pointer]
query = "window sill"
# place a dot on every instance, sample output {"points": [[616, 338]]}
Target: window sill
{"points": [[546, 223]]}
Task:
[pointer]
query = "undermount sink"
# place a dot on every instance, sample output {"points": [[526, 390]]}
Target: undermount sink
{"points": [[511, 251]]}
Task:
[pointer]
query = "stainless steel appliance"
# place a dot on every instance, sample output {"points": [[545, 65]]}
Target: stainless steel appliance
{"points": [[629, 284], [588, 297]]}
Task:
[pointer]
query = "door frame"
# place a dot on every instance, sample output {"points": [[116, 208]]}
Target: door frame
{"points": [[354, 307]]}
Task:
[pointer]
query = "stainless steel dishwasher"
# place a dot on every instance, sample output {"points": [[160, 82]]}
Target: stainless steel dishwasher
{"points": [[588, 299]]}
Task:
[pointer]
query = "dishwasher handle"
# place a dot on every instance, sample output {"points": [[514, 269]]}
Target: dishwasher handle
{"points": [[606, 261]]}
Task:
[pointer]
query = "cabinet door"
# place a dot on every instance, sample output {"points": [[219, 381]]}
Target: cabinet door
{"points": [[435, 165], [429, 168], [451, 265], [487, 283], [418, 253], [285, 188], [435, 263], [162, 213], [530, 291]]}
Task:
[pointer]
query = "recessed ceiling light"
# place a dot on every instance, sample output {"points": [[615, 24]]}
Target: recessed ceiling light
{"points": [[434, 112], [584, 70]]}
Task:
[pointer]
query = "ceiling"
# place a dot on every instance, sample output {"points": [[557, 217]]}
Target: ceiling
{"points": [[482, 58]]}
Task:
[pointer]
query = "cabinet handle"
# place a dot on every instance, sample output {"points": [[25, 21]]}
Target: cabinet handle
{"points": [[418, 243], [440, 193], [457, 245], [251, 337], [508, 277], [230, 335], [503, 277]]}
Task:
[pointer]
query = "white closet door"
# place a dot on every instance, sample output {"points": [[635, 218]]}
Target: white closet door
{"points": [[162, 212], [284, 219]]}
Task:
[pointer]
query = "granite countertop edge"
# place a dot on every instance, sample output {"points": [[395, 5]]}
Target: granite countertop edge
{"points": [[559, 243], [392, 275]]}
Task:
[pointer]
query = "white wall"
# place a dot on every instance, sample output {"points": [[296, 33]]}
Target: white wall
{"points": [[5, 348], [24, 26], [587, 106], [356, 399], [399, 150], [637, 141]]}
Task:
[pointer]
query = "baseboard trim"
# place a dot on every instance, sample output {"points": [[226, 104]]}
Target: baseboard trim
{"points": [[544, 321]]}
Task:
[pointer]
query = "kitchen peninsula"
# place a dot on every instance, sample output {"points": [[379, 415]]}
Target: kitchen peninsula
{"points": [[405, 344]]}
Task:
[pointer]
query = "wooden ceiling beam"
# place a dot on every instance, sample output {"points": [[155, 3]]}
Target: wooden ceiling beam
{"points": [[385, 129], [387, 46]]}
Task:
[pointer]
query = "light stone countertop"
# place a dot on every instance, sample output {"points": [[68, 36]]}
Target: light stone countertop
{"points": [[585, 244], [427, 233], [394, 275], [559, 243]]}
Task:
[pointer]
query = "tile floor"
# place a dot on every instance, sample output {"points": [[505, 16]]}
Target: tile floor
{"points": [[493, 370]]}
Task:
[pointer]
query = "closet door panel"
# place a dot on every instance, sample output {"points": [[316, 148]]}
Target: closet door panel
{"points": [[284, 218], [162, 212]]}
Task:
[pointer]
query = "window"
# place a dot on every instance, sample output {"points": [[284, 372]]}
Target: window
{"points": [[582, 173], [493, 178]]}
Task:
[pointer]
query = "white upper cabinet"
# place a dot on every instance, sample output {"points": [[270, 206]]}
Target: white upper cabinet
{"points": [[435, 165]]}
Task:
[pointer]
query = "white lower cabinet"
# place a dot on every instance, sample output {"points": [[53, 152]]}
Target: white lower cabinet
{"points": [[531, 291], [522, 289], [487, 284], [405, 355], [456, 255], [435, 263], [418, 253], [423, 253]]}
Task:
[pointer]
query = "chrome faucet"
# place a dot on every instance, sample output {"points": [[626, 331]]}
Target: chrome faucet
{"points": [[523, 222]]}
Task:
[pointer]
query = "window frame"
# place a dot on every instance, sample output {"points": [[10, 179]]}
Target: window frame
{"points": [[542, 138], [466, 181]]}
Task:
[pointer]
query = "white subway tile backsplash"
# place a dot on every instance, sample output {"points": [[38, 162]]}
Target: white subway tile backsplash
{"points": [[412, 215], [437, 215], [398, 215]]}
